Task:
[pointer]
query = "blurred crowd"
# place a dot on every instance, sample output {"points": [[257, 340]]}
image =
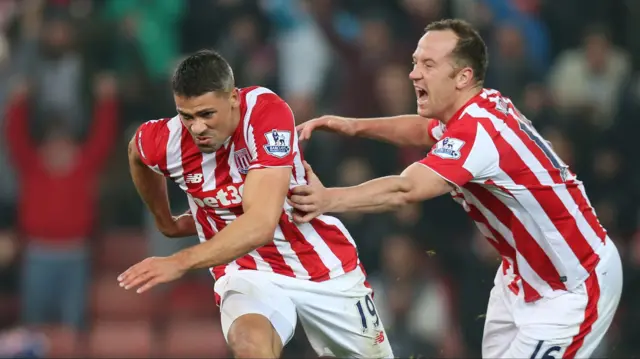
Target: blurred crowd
{"points": [[78, 76]]}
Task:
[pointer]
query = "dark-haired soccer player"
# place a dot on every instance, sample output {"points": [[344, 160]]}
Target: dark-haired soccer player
{"points": [[235, 153]]}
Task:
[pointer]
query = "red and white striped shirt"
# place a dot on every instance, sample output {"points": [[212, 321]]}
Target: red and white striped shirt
{"points": [[521, 195], [265, 137]]}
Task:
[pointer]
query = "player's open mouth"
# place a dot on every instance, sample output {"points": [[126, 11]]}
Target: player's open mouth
{"points": [[421, 95]]}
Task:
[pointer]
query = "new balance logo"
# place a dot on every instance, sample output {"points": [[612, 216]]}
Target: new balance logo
{"points": [[193, 178]]}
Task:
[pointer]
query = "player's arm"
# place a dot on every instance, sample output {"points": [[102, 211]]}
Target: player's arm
{"points": [[263, 198], [404, 130], [415, 184], [152, 188], [466, 153]]}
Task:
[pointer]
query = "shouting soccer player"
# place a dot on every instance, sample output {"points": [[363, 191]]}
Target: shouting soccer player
{"points": [[235, 153], [560, 281]]}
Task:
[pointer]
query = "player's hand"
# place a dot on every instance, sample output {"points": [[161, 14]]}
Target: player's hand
{"points": [[309, 201], [341, 125], [151, 272], [179, 226]]}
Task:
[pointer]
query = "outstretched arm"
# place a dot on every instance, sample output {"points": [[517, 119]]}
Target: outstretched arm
{"points": [[264, 193], [465, 153], [404, 130], [417, 183]]}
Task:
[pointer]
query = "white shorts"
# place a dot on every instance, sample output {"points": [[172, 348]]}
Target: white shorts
{"points": [[567, 326], [338, 315]]}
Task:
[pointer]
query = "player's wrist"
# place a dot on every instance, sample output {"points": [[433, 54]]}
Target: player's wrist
{"points": [[167, 225], [183, 260], [355, 126], [331, 202]]}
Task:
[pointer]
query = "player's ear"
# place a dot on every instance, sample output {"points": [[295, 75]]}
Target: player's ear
{"points": [[234, 98], [464, 78]]}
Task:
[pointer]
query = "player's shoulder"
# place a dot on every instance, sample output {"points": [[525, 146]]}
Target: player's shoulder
{"points": [[152, 137], [485, 114], [258, 96], [488, 104], [262, 104], [154, 125]]}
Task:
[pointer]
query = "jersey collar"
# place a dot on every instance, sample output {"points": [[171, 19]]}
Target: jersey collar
{"points": [[456, 116]]}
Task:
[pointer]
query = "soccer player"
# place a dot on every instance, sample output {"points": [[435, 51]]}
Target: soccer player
{"points": [[560, 280], [235, 153]]}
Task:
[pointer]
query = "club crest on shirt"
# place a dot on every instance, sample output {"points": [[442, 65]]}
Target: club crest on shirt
{"points": [[278, 143], [448, 148], [243, 160]]}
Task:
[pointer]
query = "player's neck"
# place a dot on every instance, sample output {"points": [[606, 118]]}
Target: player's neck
{"points": [[463, 99], [235, 122], [236, 115]]}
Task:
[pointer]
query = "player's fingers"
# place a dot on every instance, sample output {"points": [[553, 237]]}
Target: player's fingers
{"points": [[294, 204], [298, 217], [309, 216], [301, 200], [289, 202], [137, 280], [300, 127], [305, 133], [132, 271], [305, 207], [150, 284], [307, 167], [302, 131], [311, 176], [301, 191]]}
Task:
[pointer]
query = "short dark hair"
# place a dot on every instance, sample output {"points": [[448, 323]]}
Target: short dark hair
{"points": [[470, 50], [202, 72]]}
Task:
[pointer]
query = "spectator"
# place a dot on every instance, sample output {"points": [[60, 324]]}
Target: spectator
{"points": [[589, 80], [57, 206], [511, 69]]}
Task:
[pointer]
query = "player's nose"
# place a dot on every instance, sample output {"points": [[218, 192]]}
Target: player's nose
{"points": [[198, 127], [415, 74]]}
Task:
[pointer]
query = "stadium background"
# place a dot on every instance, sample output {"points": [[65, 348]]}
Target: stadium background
{"points": [[572, 67]]}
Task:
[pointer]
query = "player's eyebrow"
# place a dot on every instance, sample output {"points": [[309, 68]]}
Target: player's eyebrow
{"points": [[199, 112], [415, 59]]}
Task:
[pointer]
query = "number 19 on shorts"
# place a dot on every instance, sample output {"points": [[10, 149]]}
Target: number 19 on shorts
{"points": [[368, 313]]}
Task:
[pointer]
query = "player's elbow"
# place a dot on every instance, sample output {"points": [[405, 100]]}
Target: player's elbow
{"points": [[397, 201], [264, 228], [265, 234], [133, 153], [170, 233], [403, 193]]}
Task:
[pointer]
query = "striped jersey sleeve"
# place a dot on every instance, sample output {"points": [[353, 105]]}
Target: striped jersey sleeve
{"points": [[435, 130], [270, 134], [464, 153], [151, 140]]}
